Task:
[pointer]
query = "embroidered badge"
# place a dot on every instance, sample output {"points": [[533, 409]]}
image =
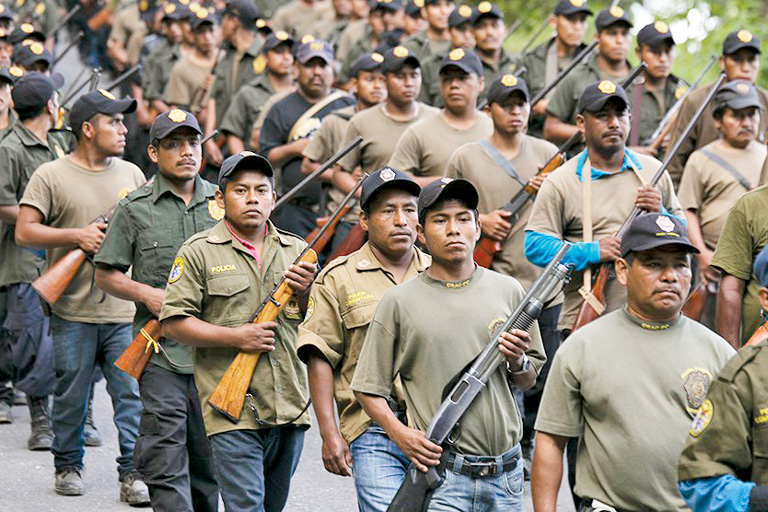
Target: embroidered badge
{"points": [[680, 92], [308, 38], [577, 3], [456, 54], [16, 71], [606, 87], [377, 57], [310, 309], [123, 192], [281, 35], [177, 116], [465, 11], [261, 23], [495, 326], [484, 7], [661, 27], [218, 269], [742, 88], [176, 270], [400, 52], [170, 9], [616, 11], [665, 223], [358, 297], [291, 310], [761, 419], [27, 27], [387, 174], [509, 80], [259, 64], [702, 419], [696, 383], [40, 9], [59, 152], [744, 36], [107, 94], [214, 210]]}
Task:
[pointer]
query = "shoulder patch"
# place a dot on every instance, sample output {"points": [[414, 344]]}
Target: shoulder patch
{"points": [[214, 210], [176, 270], [703, 418]]}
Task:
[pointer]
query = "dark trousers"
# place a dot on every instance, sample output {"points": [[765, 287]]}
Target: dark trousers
{"points": [[172, 452], [6, 364]]}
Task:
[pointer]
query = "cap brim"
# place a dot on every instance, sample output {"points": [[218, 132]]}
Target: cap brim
{"points": [[597, 105], [660, 243], [398, 184], [575, 10], [163, 134], [489, 14], [656, 42], [411, 59], [459, 65], [742, 46], [503, 95], [459, 189], [739, 103], [125, 106]]}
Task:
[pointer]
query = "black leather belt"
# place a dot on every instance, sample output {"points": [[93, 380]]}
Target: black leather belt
{"points": [[480, 467]]}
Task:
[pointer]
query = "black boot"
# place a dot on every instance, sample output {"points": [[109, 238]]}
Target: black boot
{"points": [[92, 436], [41, 437]]}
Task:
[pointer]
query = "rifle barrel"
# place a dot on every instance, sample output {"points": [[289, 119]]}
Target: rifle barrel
{"points": [[575, 62], [120, 79], [74, 93], [64, 20], [75, 41], [535, 36]]}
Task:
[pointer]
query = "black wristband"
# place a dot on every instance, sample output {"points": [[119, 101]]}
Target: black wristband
{"points": [[758, 499]]}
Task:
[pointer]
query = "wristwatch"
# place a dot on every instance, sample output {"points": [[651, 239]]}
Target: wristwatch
{"points": [[523, 368]]}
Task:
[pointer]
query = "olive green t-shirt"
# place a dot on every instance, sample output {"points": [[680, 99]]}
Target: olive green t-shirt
{"points": [[158, 70], [380, 136], [422, 47], [215, 279], [70, 196], [427, 331], [557, 211], [298, 18], [506, 65], [245, 108], [710, 190], [145, 234], [426, 146], [185, 85], [629, 390], [496, 188], [743, 236], [343, 299], [234, 70]]}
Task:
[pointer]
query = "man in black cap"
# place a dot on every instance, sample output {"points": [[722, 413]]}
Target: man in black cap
{"points": [[59, 203], [289, 126], [216, 283], [740, 61], [29, 143], [386, 16], [329, 338], [434, 38], [425, 147], [715, 177], [609, 63], [145, 233], [32, 57], [490, 32], [544, 63], [428, 346], [661, 361], [238, 122], [413, 22]]}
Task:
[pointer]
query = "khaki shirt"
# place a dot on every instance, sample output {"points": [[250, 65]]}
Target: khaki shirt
{"points": [[233, 71], [215, 279], [145, 234], [710, 190], [185, 85], [428, 331], [158, 70], [245, 108], [343, 300], [557, 211], [299, 18], [22, 153], [423, 47], [729, 435], [743, 236], [70, 196], [496, 188], [426, 146], [628, 389], [129, 30], [349, 37]]}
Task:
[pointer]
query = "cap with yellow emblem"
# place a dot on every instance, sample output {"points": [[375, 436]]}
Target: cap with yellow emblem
{"points": [[397, 57], [367, 62], [613, 16], [571, 7], [596, 95], [486, 9], [203, 16], [387, 5], [464, 59], [95, 102], [5, 13], [170, 121], [505, 86], [176, 12], [244, 160], [26, 31], [26, 55], [655, 34], [6, 76], [316, 48], [735, 41], [275, 39], [461, 15], [33, 90], [737, 95]]}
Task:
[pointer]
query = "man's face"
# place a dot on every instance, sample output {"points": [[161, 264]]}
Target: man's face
{"points": [[179, 155], [657, 281], [173, 31], [742, 65], [403, 86], [393, 19], [459, 89], [571, 28], [342, 8], [614, 42], [391, 221], [462, 36], [658, 60], [739, 127], [489, 34], [371, 88], [376, 22], [280, 60], [450, 232], [109, 134], [511, 117], [205, 38], [247, 200], [414, 24], [5, 96], [606, 131], [315, 77], [360, 8], [6, 53], [437, 14], [229, 25]]}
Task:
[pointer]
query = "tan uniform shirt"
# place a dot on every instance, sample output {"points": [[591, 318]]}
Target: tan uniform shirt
{"points": [[129, 30], [185, 85], [299, 17], [344, 297]]}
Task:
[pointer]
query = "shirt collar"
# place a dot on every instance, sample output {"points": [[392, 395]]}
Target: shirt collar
{"points": [[367, 260], [161, 186], [630, 163], [220, 234], [27, 137]]}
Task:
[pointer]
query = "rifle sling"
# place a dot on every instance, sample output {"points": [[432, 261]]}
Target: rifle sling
{"points": [[637, 107], [728, 167], [314, 109], [497, 157], [550, 67]]}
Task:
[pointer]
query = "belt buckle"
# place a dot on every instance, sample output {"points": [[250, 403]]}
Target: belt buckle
{"points": [[483, 469]]}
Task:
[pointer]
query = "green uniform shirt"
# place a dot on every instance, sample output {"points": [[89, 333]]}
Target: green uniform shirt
{"points": [[629, 389], [233, 71], [246, 107], [507, 65], [729, 435], [430, 80], [22, 153], [365, 44], [652, 106], [428, 331], [145, 234], [158, 70], [743, 236], [423, 47], [343, 300], [215, 279]]}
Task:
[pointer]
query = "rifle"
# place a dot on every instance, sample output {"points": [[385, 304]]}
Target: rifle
{"points": [[122, 78], [322, 221], [511, 29], [416, 490], [352, 242], [75, 41], [71, 94], [52, 283], [575, 62], [665, 126], [587, 313], [68, 16], [535, 36], [229, 395], [761, 334], [487, 248]]}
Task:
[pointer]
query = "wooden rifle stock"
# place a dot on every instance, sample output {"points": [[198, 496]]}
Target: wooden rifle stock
{"points": [[52, 283], [323, 241], [761, 334], [136, 356], [694, 304], [351, 243]]}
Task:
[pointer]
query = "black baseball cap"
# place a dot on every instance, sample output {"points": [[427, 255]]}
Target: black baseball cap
{"points": [[6, 76], [651, 230], [735, 41], [245, 160], [5, 13], [245, 11], [506, 85], [275, 39], [147, 10], [26, 31], [596, 95], [464, 59], [486, 9], [384, 179], [447, 188], [413, 8], [389, 5], [203, 16], [397, 57], [569, 7], [460, 15], [654, 34], [28, 54], [613, 16], [760, 267], [176, 12], [95, 102], [314, 48], [170, 121], [33, 90], [736, 95], [367, 62]]}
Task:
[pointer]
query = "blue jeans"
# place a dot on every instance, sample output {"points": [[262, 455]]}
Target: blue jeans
{"points": [[77, 349], [379, 468], [254, 467], [461, 493]]}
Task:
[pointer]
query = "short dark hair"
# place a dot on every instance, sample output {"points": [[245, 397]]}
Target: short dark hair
{"points": [[719, 112], [224, 181], [439, 204], [30, 112]]}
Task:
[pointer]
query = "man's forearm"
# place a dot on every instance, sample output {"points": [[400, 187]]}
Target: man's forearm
{"points": [[320, 376], [547, 471], [729, 299], [377, 408], [9, 214], [558, 131], [120, 285], [40, 236], [235, 144], [279, 155], [197, 333], [694, 230], [343, 180]]}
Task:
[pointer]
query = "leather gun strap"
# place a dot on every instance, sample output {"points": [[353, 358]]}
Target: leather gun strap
{"points": [[586, 217]]}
